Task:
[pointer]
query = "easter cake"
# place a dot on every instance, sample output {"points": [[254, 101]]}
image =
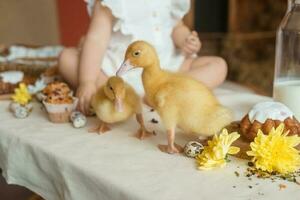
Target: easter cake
{"points": [[58, 88], [9, 80], [25, 64], [265, 116], [59, 102]]}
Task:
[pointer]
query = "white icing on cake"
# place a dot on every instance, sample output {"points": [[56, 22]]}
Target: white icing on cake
{"points": [[12, 77], [269, 110], [16, 52]]}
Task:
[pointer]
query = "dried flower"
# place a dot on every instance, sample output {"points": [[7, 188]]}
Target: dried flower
{"points": [[214, 155], [275, 152]]}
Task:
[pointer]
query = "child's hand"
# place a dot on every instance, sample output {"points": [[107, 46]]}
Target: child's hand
{"points": [[191, 45], [84, 93]]}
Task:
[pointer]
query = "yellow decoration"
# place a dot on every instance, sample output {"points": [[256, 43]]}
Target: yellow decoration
{"points": [[214, 155], [21, 95], [275, 152]]}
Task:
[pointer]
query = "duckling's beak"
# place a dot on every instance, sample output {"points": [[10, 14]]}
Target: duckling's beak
{"points": [[119, 105], [125, 67]]}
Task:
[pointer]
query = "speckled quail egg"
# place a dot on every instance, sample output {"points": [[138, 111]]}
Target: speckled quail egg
{"points": [[193, 148], [78, 119]]}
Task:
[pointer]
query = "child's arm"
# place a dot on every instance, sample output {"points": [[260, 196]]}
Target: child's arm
{"points": [[94, 47], [186, 40]]}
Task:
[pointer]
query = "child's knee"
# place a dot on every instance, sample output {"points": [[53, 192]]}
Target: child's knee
{"points": [[221, 66], [66, 58]]}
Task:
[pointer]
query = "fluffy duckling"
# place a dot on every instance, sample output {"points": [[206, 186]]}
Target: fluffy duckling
{"points": [[116, 101], [179, 100]]}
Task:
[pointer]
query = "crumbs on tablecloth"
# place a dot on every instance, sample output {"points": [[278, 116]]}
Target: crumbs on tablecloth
{"points": [[227, 159], [282, 186], [236, 174], [260, 193], [293, 177], [250, 186], [154, 121]]}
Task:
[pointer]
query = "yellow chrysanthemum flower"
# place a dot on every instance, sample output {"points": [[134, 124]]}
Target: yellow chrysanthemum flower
{"points": [[275, 152], [214, 155], [21, 95]]}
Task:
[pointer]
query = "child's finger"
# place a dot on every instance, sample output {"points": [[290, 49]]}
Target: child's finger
{"points": [[81, 105], [193, 41], [194, 33], [78, 104], [191, 38], [192, 46], [86, 107], [187, 50]]}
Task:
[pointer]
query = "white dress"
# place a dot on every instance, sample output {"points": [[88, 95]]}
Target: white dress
{"points": [[149, 20]]}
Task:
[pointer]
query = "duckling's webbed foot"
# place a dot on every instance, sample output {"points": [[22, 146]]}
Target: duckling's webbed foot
{"points": [[172, 147], [102, 128], [142, 132]]}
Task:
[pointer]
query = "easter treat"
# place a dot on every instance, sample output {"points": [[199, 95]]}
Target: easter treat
{"points": [[267, 115], [9, 80], [58, 102], [57, 88], [117, 101], [192, 149], [78, 119], [54, 89], [59, 108], [20, 105], [180, 100]]}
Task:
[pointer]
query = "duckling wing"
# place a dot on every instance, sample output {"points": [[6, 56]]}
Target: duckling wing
{"points": [[162, 94]]}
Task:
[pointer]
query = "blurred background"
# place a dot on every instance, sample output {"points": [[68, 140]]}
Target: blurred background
{"points": [[241, 31]]}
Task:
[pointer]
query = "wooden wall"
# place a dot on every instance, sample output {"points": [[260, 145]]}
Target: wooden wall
{"points": [[29, 21]]}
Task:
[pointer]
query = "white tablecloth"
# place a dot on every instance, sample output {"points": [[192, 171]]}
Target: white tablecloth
{"points": [[60, 162]]}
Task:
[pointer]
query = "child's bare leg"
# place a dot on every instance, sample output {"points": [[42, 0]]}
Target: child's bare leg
{"points": [[68, 66], [211, 70]]}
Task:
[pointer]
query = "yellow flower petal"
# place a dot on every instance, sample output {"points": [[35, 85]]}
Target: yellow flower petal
{"points": [[21, 95], [275, 152], [214, 154], [233, 150]]}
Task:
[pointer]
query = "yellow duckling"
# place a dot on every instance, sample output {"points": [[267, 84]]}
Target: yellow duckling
{"points": [[117, 101], [179, 100]]}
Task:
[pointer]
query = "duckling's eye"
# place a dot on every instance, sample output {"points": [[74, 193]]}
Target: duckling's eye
{"points": [[110, 88], [136, 53]]}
